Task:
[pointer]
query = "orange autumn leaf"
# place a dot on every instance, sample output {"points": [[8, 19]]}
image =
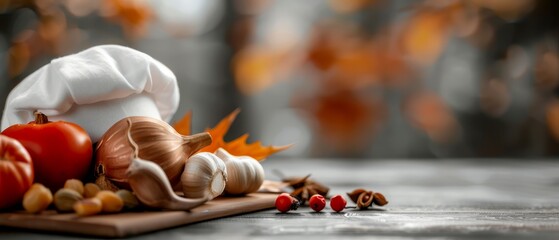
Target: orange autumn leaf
{"points": [[183, 125], [238, 146], [219, 131]]}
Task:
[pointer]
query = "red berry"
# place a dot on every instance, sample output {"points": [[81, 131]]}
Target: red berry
{"points": [[284, 203], [317, 202], [337, 203]]}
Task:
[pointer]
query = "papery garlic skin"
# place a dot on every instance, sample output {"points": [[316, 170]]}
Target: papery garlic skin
{"points": [[244, 174], [204, 176], [157, 142], [150, 183]]}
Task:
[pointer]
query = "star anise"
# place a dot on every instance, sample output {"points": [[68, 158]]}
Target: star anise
{"points": [[304, 188], [365, 198]]}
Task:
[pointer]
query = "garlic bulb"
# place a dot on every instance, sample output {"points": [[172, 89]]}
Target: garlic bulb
{"points": [[204, 175], [151, 185], [157, 142], [244, 173]]}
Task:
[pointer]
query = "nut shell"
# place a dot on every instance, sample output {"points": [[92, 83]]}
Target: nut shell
{"points": [[37, 198], [90, 190], [129, 199], [111, 202], [75, 185], [88, 207], [65, 198]]}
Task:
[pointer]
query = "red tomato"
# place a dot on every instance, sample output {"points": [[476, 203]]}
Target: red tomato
{"points": [[16, 172], [60, 150]]}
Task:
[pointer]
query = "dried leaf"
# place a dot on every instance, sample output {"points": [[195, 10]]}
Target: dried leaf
{"points": [[219, 131], [183, 126], [304, 188], [239, 146], [273, 187]]}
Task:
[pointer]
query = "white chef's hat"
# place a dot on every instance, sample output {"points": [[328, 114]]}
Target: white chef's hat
{"points": [[95, 88]]}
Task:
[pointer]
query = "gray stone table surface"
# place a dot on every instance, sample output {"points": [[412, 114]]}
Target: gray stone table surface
{"points": [[429, 199]]}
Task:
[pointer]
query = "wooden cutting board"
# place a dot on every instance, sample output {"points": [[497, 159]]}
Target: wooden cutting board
{"points": [[133, 223]]}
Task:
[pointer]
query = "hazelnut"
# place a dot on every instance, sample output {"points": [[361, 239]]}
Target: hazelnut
{"points": [[129, 199], [110, 201], [37, 198], [65, 198], [87, 207], [75, 185], [90, 190]]}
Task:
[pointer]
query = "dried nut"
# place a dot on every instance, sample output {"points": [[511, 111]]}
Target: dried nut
{"points": [[65, 198], [74, 184], [87, 207], [110, 201], [365, 200], [90, 190], [354, 195], [37, 198], [129, 199], [379, 199]]}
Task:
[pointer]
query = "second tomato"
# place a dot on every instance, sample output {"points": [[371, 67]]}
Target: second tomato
{"points": [[60, 150]]}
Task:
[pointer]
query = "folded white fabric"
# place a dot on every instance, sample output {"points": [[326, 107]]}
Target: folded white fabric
{"points": [[95, 88]]}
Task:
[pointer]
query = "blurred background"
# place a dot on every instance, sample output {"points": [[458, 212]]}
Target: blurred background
{"points": [[337, 78]]}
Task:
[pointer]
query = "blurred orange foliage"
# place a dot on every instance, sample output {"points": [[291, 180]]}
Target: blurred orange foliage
{"points": [[426, 32], [428, 112], [552, 118], [349, 6], [18, 58], [345, 119], [255, 69], [132, 15]]}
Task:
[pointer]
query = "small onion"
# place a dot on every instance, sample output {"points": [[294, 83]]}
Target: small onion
{"points": [[157, 142]]}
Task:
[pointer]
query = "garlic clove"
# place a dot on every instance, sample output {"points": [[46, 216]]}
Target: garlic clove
{"points": [[245, 174], [153, 189], [204, 175]]}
